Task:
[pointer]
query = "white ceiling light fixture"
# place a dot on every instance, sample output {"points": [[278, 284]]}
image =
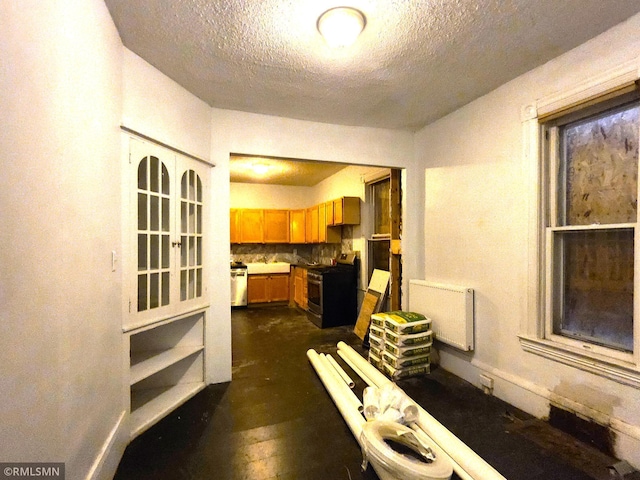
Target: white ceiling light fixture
{"points": [[341, 26]]}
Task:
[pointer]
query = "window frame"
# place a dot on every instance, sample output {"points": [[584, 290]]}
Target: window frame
{"points": [[536, 329]]}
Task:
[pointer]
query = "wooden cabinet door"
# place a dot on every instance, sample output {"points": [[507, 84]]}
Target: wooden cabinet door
{"points": [[279, 287], [251, 226], [329, 214], [297, 287], [312, 225], [297, 226], [322, 223], [276, 226], [258, 289], [233, 225], [337, 211]]}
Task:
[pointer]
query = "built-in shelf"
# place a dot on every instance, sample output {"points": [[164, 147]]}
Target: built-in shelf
{"points": [[166, 367], [149, 406], [145, 364]]}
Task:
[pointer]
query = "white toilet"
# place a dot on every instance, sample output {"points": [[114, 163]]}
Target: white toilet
{"points": [[392, 465]]}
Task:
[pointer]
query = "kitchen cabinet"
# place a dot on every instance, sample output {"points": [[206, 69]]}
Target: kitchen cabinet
{"points": [[312, 225], [268, 288], [329, 213], [300, 291], [297, 226], [276, 226], [346, 211], [251, 223], [327, 234], [234, 232]]}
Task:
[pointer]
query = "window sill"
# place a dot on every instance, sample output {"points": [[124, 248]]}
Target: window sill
{"points": [[616, 370]]}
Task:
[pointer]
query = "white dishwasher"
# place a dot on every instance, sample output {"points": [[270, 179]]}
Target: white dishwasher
{"points": [[238, 285]]}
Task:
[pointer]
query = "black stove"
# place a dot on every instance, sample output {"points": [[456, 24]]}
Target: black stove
{"points": [[333, 292]]}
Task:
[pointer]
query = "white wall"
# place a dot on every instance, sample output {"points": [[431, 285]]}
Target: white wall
{"points": [[476, 235], [256, 195], [61, 387]]}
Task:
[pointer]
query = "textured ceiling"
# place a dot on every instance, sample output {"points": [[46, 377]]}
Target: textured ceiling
{"points": [[416, 60]]}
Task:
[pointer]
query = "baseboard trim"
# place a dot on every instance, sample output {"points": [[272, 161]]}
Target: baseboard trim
{"points": [[106, 463], [536, 400]]}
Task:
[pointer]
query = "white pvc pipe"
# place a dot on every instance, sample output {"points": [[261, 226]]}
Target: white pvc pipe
{"points": [[341, 387], [358, 372], [375, 375], [467, 459], [438, 451], [340, 371], [352, 417]]}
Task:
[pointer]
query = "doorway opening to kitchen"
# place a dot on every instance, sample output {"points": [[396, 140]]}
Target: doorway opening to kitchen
{"points": [[287, 213]]}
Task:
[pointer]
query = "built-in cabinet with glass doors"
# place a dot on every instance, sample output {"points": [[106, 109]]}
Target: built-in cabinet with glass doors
{"points": [[165, 323]]}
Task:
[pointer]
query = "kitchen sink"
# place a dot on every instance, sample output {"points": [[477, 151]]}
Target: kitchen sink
{"points": [[264, 268]]}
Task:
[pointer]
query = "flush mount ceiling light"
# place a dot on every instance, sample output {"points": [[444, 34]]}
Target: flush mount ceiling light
{"points": [[340, 26]]}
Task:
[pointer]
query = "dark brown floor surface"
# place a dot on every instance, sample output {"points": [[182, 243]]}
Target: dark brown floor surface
{"points": [[275, 420]]}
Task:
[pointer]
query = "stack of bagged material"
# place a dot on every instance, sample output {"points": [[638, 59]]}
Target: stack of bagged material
{"points": [[400, 343]]}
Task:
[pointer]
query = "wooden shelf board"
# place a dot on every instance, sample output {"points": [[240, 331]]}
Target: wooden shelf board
{"points": [[145, 364]]}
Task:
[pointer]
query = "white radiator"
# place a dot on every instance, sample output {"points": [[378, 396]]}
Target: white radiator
{"points": [[450, 309]]}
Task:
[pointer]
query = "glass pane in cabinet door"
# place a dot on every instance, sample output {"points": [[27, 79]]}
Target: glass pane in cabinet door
{"points": [[153, 175], [154, 214], [184, 191], [199, 251], [166, 282], [154, 252], [184, 251], [154, 290], [166, 244], [199, 185], [142, 252], [142, 174], [192, 185], [165, 180], [192, 283], [199, 219], [142, 211], [165, 215], [199, 282], [192, 251], [183, 217], [142, 292], [183, 285], [192, 218]]}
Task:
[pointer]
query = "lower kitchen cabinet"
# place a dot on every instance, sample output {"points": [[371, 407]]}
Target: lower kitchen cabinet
{"points": [[268, 288], [300, 287]]}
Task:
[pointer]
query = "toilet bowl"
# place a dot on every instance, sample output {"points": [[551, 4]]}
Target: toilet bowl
{"points": [[392, 465]]}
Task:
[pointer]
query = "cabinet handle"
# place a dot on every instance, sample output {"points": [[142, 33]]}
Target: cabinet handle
{"points": [[176, 244]]}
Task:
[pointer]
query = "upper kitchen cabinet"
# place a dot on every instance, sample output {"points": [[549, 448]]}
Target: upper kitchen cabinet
{"points": [[276, 226], [329, 213], [346, 211], [326, 233], [297, 224], [234, 231], [251, 226], [312, 225]]}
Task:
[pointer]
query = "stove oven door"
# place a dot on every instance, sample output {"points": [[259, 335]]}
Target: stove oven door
{"points": [[314, 299]]}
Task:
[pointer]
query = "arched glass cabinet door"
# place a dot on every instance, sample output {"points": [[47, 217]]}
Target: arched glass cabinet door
{"points": [[168, 209], [191, 235], [154, 234]]}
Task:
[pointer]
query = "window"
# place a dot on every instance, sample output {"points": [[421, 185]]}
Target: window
{"points": [[584, 291], [591, 206]]}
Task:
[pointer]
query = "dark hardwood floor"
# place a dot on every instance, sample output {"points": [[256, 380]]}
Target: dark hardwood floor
{"points": [[275, 420]]}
